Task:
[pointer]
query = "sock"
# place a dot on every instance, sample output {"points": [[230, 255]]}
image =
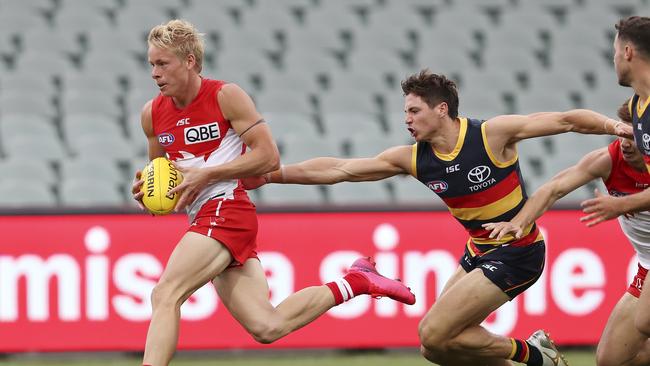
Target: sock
{"points": [[351, 285], [523, 352]]}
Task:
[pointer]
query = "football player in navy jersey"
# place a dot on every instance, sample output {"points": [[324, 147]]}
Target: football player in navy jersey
{"points": [[632, 64], [472, 165]]}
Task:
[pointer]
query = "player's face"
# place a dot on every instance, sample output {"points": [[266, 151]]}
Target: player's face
{"points": [[168, 71], [620, 63], [631, 153], [419, 117]]}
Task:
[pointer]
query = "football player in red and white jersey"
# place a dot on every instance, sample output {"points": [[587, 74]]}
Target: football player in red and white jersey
{"points": [[622, 169], [205, 126]]}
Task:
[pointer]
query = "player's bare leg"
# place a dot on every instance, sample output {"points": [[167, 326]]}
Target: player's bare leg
{"points": [[460, 273], [642, 317], [621, 344], [195, 261], [244, 291], [451, 327], [464, 361]]}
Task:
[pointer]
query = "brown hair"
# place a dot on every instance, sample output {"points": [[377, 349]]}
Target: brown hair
{"points": [[623, 112], [180, 37], [433, 89], [635, 29]]}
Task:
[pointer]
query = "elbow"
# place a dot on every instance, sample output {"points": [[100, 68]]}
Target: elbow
{"points": [[550, 193], [567, 120], [273, 162], [557, 194]]}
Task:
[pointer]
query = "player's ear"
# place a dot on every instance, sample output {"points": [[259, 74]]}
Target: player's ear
{"points": [[628, 52], [191, 61], [443, 109]]}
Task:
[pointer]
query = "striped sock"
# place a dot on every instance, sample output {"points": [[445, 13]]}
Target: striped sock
{"points": [[525, 353], [345, 288], [520, 351]]}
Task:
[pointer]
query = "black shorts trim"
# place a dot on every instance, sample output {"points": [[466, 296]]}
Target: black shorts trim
{"points": [[512, 269]]}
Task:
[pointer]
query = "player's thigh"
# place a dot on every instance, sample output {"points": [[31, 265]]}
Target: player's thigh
{"points": [[642, 320], [460, 273], [195, 261], [468, 302], [244, 291], [620, 340]]}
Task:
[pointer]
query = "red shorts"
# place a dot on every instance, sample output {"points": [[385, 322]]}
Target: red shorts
{"points": [[231, 221], [637, 283]]}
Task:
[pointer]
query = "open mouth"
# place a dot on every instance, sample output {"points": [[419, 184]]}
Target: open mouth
{"points": [[411, 131]]}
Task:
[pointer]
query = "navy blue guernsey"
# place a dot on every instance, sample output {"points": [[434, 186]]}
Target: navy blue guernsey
{"points": [[475, 186], [641, 127]]}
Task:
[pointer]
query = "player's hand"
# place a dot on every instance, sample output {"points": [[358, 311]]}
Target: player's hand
{"points": [[500, 229], [254, 182], [599, 209], [622, 129], [136, 186], [194, 181]]}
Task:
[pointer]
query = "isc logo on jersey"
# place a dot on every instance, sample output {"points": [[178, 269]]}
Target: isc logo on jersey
{"points": [[438, 186], [202, 133]]}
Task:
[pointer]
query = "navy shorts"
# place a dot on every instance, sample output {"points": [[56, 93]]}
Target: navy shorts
{"points": [[512, 269]]}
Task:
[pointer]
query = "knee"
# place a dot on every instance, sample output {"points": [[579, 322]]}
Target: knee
{"points": [[265, 332], [163, 296], [429, 355], [432, 338]]}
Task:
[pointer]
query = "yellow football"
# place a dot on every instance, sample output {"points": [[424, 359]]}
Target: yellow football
{"points": [[160, 176]]}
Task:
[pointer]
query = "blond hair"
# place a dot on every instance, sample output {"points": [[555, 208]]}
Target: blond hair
{"points": [[180, 37]]}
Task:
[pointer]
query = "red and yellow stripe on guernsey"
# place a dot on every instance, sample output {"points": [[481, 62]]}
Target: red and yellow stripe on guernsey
{"points": [[480, 246], [490, 203]]}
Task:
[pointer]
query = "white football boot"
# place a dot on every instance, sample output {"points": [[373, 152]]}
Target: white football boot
{"points": [[550, 355]]}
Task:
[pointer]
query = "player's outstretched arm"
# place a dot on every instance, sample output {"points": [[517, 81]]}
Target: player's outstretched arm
{"points": [[596, 164], [393, 161], [509, 129], [604, 207]]}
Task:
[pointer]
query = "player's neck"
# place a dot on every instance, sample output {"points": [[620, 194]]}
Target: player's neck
{"points": [[641, 85], [446, 136], [189, 93]]}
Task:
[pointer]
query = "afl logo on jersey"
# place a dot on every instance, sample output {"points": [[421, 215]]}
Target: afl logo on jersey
{"points": [[166, 139], [438, 186], [646, 141], [202, 133], [479, 174]]}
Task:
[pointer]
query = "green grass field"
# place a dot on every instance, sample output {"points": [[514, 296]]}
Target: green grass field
{"points": [[575, 358]]}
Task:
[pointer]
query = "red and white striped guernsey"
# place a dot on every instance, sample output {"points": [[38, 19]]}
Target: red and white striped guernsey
{"points": [[198, 136], [624, 180]]}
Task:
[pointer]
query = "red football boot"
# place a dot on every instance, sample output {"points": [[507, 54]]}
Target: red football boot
{"points": [[380, 286]]}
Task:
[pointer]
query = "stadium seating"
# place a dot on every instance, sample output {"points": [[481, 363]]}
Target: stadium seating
{"points": [[324, 73]]}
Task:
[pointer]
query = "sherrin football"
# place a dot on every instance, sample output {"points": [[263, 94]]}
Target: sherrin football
{"points": [[160, 176]]}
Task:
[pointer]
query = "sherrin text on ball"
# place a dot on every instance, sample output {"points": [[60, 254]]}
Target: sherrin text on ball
{"points": [[160, 176]]}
